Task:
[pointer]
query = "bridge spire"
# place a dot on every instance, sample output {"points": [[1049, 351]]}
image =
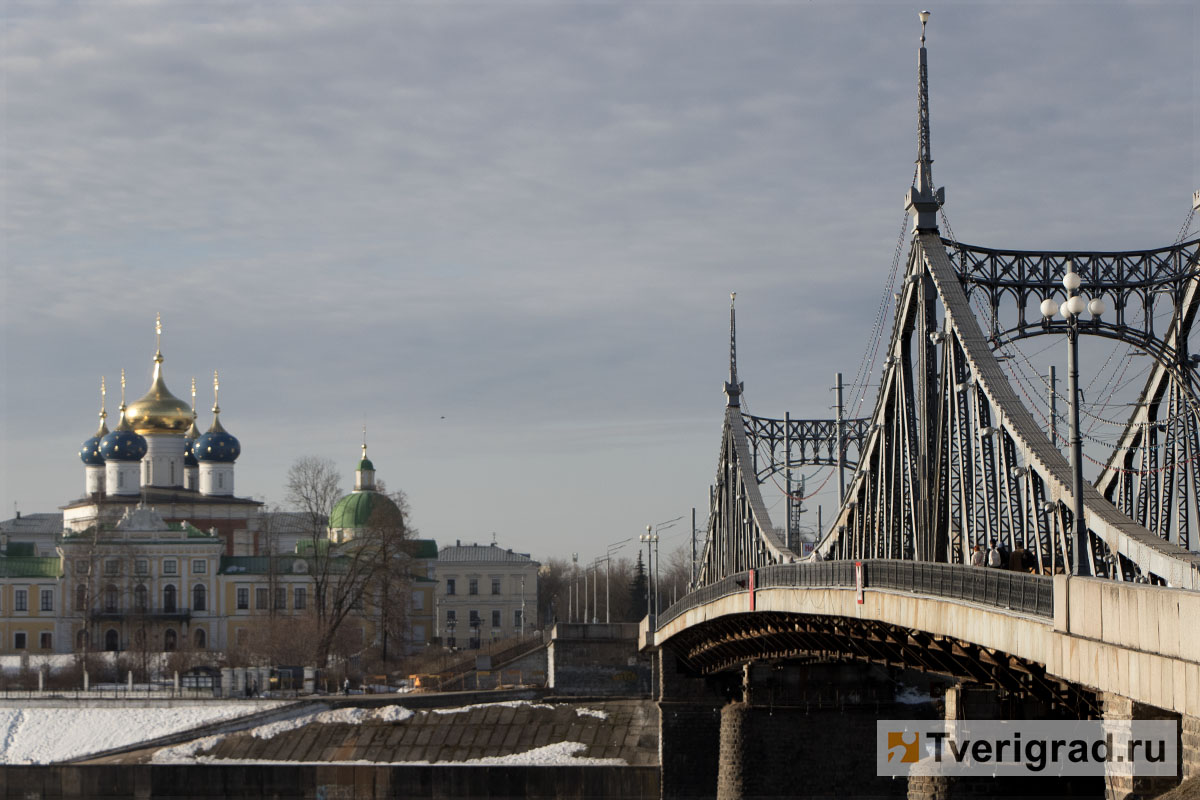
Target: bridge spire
{"points": [[733, 388], [923, 200]]}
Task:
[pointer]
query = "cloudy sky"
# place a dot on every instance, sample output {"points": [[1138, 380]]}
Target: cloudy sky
{"points": [[504, 234]]}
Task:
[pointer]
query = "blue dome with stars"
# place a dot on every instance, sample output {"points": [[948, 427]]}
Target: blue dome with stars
{"points": [[218, 446], [89, 452], [123, 444]]}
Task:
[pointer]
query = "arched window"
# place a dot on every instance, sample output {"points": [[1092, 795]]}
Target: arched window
{"points": [[201, 639], [140, 598], [112, 601], [169, 599], [169, 640], [112, 640], [199, 596], [81, 599], [81, 640]]}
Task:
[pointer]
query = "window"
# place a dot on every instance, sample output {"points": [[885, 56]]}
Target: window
{"points": [[356, 602], [112, 640], [495, 586], [199, 597], [46, 640], [473, 615], [199, 566], [418, 602], [449, 585], [243, 598], [169, 598], [169, 640], [496, 618], [47, 599], [81, 598], [299, 598], [141, 566], [451, 615], [141, 598], [170, 567], [201, 639], [517, 619], [281, 598], [262, 598], [473, 586], [111, 599], [112, 567], [21, 600], [18, 641]]}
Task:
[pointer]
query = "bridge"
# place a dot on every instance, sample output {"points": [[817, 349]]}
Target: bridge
{"points": [[773, 669]]}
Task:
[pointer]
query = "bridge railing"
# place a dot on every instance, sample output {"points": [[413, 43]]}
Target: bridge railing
{"points": [[1021, 592]]}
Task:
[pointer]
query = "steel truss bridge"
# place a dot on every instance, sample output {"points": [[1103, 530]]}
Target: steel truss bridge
{"points": [[951, 457]]}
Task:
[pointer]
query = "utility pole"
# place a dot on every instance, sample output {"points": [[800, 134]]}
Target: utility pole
{"points": [[1053, 408]]}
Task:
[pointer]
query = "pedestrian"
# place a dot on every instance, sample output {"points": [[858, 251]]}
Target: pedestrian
{"points": [[994, 558], [346, 686], [1016, 561], [977, 557]]}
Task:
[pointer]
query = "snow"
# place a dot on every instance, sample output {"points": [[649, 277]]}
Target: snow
{"points": [[186, 753], [591, 712], [507, 704], [551, 755], [43, 735]]}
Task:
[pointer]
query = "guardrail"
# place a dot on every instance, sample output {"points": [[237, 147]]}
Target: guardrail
{"points": [[1022, 592]]}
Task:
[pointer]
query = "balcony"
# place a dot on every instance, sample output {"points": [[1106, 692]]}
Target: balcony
{"points": [[133, 612]]}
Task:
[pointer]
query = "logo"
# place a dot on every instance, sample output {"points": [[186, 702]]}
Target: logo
{"points": [[903, 747]]}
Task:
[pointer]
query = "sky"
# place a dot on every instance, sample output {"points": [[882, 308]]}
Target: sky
{"points": [[503, 235]]}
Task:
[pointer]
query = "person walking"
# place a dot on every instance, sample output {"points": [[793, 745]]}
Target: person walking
{"points": [[994, 557], [977, 559]]}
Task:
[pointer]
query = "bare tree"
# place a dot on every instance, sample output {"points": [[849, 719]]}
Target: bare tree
{"points": [[313, 486]]}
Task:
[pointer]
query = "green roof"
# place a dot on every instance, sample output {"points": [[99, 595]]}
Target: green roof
{"points": [[29, 567], [258, 565], [357, 510], [424, 548], [366, 464]]}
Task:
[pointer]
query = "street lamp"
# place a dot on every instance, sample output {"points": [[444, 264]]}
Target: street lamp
{"points": [[1070, 310], [650, 538]]}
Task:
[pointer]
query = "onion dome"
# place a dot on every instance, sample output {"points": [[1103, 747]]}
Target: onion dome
{"points": [[124, 443], [365, 463], [89, 451], [217, 445], [159, 411]]}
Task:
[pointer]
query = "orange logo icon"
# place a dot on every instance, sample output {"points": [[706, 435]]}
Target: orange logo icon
{"points": [[905, 745]]}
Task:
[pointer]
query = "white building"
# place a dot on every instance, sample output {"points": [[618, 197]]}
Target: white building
{"points": [[484, 593]]}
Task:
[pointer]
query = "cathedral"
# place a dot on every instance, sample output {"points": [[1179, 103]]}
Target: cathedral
{"points": [[159, 554]]}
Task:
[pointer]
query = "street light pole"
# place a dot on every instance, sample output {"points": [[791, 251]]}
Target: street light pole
{"points": [[648, 538], [1070, 310]]}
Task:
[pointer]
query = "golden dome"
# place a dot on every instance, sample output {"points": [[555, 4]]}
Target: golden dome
{"points": [[159, 411]]}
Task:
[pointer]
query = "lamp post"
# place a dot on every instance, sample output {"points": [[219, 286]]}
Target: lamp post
{"points": [[1070, 310], [650, 539]]}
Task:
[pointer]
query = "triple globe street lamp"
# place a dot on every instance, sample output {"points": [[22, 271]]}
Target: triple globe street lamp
{"points": [[1070, 310]]}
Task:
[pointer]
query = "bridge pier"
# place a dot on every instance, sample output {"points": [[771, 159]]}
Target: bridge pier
{"points": [[807, 731], [1128, 787], [689, 713]]}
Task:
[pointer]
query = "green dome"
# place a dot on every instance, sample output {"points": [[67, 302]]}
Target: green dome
{"points": [[357, 510], [366, 464]]}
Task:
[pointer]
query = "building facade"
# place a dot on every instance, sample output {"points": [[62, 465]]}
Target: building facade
{"points": [[484, 594]]}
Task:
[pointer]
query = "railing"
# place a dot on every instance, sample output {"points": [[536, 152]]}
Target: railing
{"points": [[1022, 592]]}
